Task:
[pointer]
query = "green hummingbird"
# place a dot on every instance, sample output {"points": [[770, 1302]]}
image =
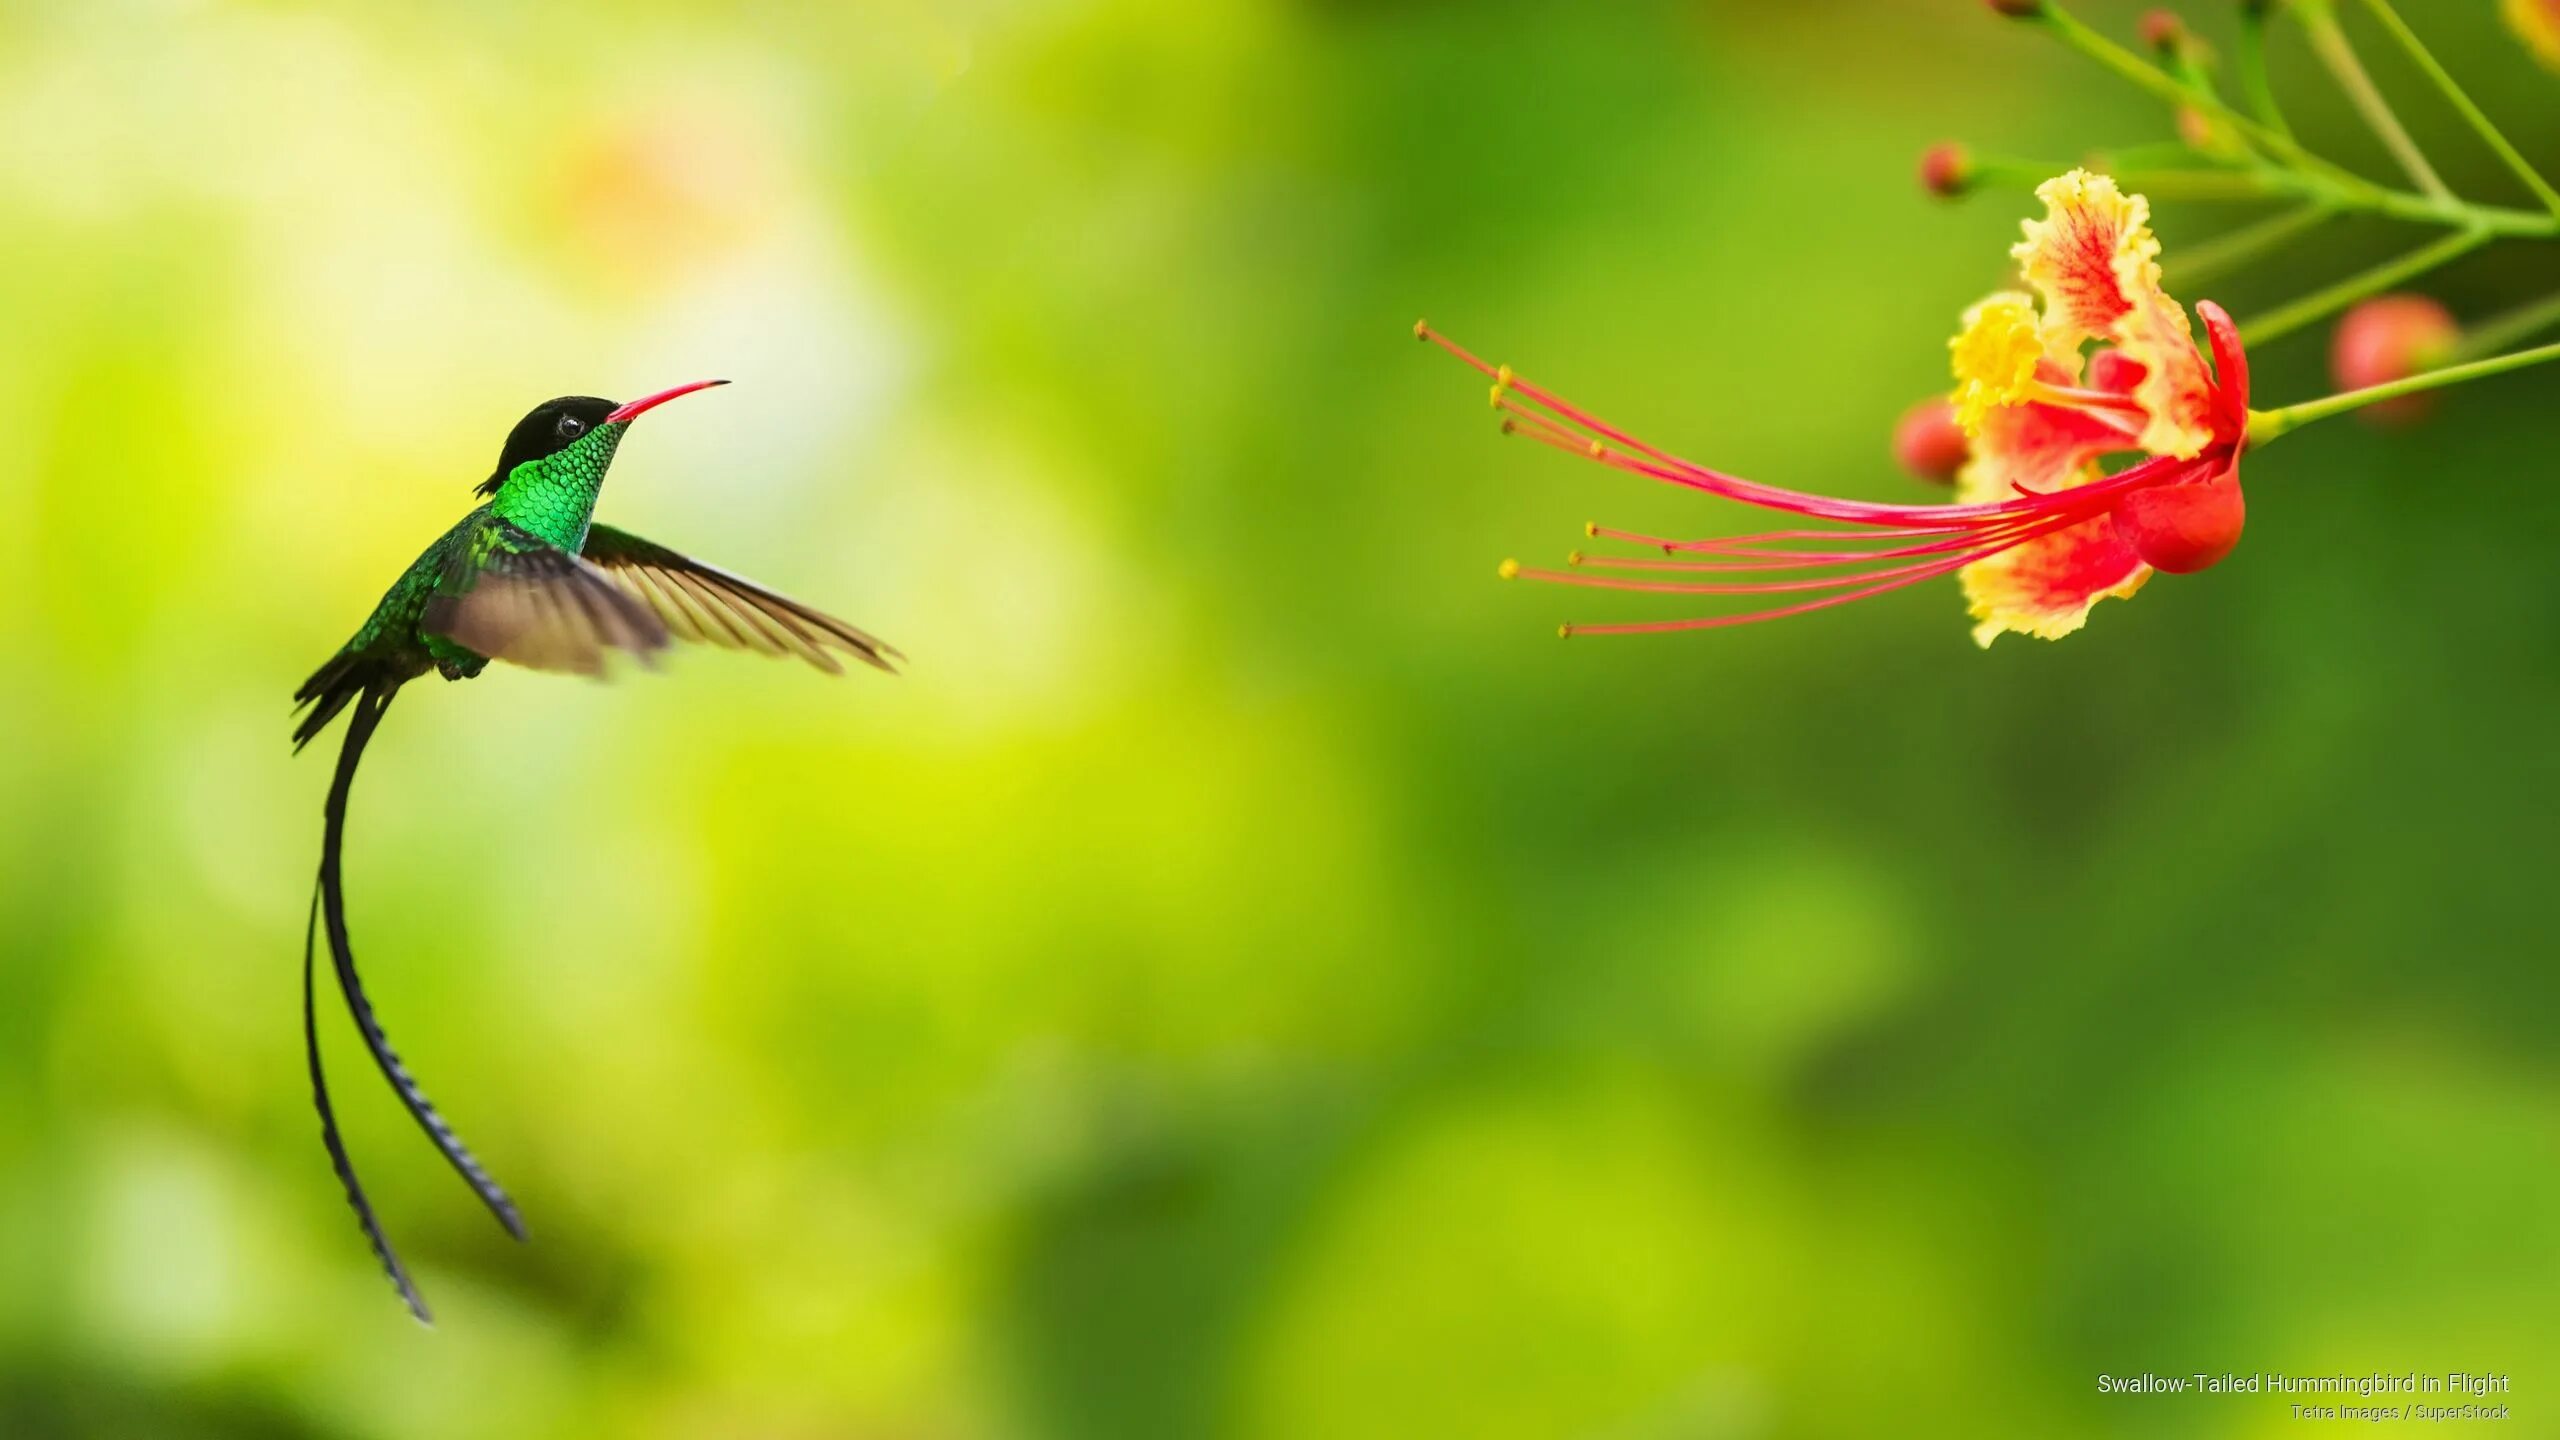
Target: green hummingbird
{"points": [[528, 578]]}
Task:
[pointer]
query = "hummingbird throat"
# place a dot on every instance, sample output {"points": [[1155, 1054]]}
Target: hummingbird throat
{"points": [[554, 496]]}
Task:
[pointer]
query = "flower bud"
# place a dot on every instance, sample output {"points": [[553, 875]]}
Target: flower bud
{"points": [[2208, 136], [2180, 529], [2163, 31], [2392, 338], [1929, 443], [1946, 170]]}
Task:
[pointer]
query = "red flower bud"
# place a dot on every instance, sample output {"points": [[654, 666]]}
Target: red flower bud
{"points": [[1946, 170], [2180, 529], [2392, 338], [1929, 443], [2163, 31]]}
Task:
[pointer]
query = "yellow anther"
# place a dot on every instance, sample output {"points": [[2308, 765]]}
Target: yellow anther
{"points": [[1574, 559], [1564, 632], [1590, 529], [1496, 395], [1598, 450], [1508, 570], [1421, 329]]}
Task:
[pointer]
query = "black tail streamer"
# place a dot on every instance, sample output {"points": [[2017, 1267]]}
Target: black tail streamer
{"points": [[329, 902]]}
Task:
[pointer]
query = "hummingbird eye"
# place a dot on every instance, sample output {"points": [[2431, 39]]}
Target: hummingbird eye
{"points": [[571, 427]]}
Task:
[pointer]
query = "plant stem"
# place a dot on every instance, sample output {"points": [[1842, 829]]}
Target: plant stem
{"points": [[2146, 76], [2363, 199], [2188, 184], [2269, 425], [2329, 41], [2252, 65], [2160, 155], [2498, 332], [2401, 205], [2320, 304], [2453, 92], [2199, 263]]}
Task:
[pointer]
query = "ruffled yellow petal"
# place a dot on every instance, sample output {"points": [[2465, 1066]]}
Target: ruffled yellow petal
{"points": [[2176, 389], [1995, 357], [2538, 21], [2047, 586], [2071, 255], [2096, 263]]}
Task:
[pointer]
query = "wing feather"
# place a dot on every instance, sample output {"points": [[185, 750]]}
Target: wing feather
{"points": [[517, 598], [695, 601]]}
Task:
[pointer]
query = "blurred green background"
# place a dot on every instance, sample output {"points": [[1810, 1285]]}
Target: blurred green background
{"points": [[1249, 979]]}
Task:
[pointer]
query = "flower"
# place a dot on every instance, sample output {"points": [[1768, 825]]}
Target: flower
{"points": [[2039, 532], [2538, 21]]}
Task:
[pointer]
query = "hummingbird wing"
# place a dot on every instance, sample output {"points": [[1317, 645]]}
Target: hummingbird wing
{"points": [[513, 596], [707, 604]]}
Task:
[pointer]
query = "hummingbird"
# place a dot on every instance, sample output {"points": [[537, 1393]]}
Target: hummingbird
{"points": [[530, 579]]}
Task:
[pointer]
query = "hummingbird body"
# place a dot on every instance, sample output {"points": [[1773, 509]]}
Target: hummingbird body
{"points": [[528, 578], [394, 625]]}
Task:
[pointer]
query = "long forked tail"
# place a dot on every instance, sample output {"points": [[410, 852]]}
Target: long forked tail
{"points": [[331, 906]]}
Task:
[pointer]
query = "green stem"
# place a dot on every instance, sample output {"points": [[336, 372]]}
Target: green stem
{"points": [[2252, 65], [2329, 41], [2187, 64], [2321, 304], [2498, 332], [2146, 76], [2363, 199], [2160, 155], [2229, 251], [2269, 425], [2480, 122], [2189, 184], [2401, 205]]}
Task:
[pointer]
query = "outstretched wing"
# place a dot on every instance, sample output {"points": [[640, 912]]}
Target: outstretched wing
{"points": [[705, 603], [515, 597]]}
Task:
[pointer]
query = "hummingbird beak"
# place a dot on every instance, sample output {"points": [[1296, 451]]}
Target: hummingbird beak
{"points": [[636, 408]]}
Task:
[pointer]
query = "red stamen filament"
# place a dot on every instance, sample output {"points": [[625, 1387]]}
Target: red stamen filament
{"points": [[1793, 560], [1672, 469], [1945, 538]]}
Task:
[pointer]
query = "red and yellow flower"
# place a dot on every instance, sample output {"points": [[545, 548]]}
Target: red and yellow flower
{"points": [[2097, 362]]}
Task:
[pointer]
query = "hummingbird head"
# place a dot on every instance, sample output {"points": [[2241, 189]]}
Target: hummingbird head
{"points": [[573, 420]]}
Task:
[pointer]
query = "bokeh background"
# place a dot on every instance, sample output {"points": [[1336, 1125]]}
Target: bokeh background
{"points": [[1249, 979]]}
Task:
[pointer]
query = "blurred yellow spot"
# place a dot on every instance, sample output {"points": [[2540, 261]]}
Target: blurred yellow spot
{"points": [[1508, 570], [2538, 21]]}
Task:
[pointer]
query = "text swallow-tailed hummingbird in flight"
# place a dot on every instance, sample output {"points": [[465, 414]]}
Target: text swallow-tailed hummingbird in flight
{"points": [[530, 579]]}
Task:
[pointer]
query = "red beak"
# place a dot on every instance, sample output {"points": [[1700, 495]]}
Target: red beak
{"points": [[645, 403]]}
